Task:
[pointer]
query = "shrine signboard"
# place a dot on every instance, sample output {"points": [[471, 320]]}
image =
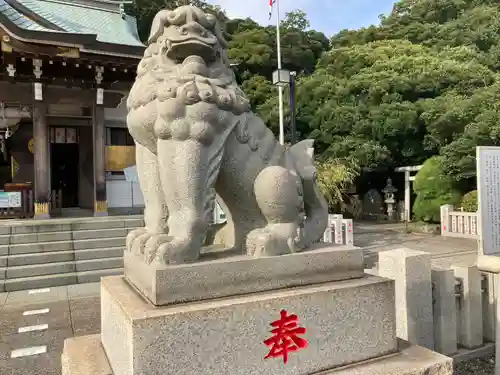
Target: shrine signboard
{"points": [[10, 199], [488, 195]]}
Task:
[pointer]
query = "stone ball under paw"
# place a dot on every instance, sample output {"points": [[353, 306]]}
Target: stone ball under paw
{"points": [[276, 192]]}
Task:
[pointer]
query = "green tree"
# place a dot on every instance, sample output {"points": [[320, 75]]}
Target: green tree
{"points": [[296, 20], [469, 201], [253, 48], [385, 103], [421, 83], [424, 82], [434, 189]]}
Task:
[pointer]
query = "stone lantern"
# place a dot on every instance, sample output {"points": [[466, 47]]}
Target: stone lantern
{"points": [[389, 191]]}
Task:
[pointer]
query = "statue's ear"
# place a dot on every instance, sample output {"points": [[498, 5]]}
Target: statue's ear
{"points": [[159, 23]]}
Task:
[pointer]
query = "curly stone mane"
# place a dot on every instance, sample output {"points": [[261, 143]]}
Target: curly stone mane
{"points": [[192, 80]]}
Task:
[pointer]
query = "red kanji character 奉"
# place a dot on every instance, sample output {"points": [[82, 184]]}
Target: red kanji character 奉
{"points": [[285, 336]]}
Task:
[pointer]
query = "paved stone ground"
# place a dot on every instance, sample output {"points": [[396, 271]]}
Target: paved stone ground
{"points": [[479, 366], [445, 251], [39, 321]]}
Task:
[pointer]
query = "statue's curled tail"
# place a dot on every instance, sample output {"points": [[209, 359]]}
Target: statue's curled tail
{"points": [[315, 205]]}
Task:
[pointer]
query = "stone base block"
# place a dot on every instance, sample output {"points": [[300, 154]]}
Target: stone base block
{"points": [[410, 360], [488, 263], [85, 353], [220, 274], [345, 321]]}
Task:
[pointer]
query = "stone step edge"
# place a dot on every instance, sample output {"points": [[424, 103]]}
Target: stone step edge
{"points": [[57, 276], [64, 232], [9, 229], [46, 253], [71, 241], [81, 261], [71, 232], [72, 220]]}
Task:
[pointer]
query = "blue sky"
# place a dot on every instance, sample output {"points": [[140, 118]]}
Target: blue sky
{"points": [[328, 16]]}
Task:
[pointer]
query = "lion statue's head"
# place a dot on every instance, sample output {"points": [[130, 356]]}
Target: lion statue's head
{"points": [[188, 31], [187, 47]]}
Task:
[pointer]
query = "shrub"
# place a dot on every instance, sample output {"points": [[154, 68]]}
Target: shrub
{"points": [[469, 201], [334, 177], [434, 189]]}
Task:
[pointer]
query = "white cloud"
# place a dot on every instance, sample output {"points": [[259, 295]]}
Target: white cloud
{"points": [[258, 10]]}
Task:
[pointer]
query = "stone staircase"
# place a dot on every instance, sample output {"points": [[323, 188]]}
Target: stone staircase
{"points": [[44, 253]]}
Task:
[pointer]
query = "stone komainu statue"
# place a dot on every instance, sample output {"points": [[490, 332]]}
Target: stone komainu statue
{"points": [[196, 137]]}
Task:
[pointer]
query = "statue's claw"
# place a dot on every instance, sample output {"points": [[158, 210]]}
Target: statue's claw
{"points": [[177, 251], [131, 237], [137, 239], [152, 245]]}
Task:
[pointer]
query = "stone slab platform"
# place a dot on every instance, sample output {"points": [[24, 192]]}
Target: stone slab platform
{"points": [[85, 355], [346, 322], [223, 274]]}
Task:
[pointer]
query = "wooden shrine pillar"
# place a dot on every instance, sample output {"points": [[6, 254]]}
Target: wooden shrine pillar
{"points": [[100, 200], [41, 155]]}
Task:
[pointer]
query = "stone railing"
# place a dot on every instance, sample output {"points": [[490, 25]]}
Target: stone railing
{"points": [[458, 223], [339, 231], [451, 311]]}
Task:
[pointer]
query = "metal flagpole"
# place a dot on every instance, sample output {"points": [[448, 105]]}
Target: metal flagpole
{"points": [[280, 87]]}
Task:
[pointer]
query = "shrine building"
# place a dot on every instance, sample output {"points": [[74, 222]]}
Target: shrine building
{"points": [[66, 68]]}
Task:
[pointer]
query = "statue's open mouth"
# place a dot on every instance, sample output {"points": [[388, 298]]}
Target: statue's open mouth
{"points": [[179, 50]]}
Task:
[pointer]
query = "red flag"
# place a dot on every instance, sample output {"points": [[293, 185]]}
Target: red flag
{"points": [[271, 3]]}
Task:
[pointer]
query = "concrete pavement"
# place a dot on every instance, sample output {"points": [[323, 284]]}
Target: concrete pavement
{"points": [[34, 324], [445, 251]]}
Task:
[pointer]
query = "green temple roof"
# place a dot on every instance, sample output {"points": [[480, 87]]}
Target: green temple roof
{"points": [[98, 25]]}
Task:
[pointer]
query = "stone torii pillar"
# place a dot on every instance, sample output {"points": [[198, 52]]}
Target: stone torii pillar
{"points": [[41, 147], [100, 200], [408, 179]]}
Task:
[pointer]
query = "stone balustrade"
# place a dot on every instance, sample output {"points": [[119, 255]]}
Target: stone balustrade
{"points": [[458, 223]]}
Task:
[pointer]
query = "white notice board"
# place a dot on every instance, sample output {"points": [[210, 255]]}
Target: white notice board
{"points": [[488, 196]]}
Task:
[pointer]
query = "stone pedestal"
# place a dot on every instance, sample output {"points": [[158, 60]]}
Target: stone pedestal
{"points": [[222, 274], [346, 322], [85, 356], [349, 323]]}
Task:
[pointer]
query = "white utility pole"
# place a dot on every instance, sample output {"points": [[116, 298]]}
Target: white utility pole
{"points": [[280, 87]]}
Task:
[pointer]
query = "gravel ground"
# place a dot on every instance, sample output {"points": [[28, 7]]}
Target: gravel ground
{"points": [[480, 366]]}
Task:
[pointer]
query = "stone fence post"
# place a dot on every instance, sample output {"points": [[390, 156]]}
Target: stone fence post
{"points": [[445, 218], [445, 311], [411, 271], [470, 306]]}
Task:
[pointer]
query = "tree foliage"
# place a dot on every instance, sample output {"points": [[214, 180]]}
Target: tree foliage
{"points": [[469, 201], [335, 176], [434, 189], [422, 83]]}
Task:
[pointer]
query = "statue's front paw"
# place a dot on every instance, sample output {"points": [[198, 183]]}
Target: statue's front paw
{"points": [[152, 245], [132, 236], [177, 251], [136, 242]]}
